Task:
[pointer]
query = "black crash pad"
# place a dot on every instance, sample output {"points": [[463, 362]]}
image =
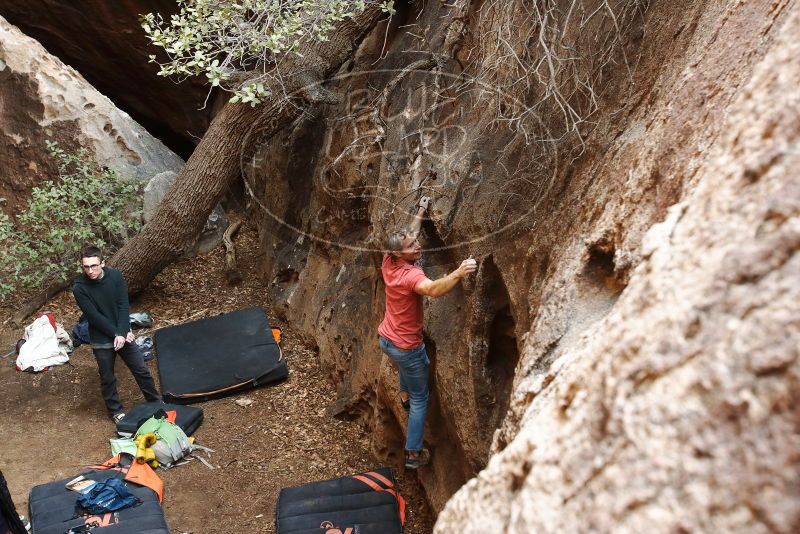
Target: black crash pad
{"points": [[186, 417], [218, 356], [52, 510], [367, 503]]}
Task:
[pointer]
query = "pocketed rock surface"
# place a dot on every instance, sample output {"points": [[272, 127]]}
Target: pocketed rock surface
{"points": [[44, 100]]}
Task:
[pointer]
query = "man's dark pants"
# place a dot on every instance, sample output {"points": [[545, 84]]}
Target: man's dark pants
{"points": [[132, 356]]}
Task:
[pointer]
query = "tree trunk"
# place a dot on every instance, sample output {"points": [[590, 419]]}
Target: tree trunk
{"points": [[215, 162]]}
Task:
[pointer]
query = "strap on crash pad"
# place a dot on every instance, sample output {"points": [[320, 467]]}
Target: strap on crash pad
{"points": [[401, 502]]}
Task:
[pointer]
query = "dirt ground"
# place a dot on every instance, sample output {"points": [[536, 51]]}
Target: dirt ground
{"points": [[53, 423]]}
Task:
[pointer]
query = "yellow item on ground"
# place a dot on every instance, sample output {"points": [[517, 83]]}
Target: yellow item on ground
{"points": [[144, 452]]}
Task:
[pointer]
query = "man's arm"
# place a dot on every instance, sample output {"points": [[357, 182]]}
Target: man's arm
{"points": [[123, 308], [95, 318], [422, 209], [443, 285]]}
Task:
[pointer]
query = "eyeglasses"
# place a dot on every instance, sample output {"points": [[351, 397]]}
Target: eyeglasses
{"points": [[91, 267]]}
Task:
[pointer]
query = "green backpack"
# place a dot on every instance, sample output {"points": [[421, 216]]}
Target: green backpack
{"points": [[172, 444]]}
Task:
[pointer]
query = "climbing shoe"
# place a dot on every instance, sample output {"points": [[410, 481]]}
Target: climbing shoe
{"points": [[423, 458]]}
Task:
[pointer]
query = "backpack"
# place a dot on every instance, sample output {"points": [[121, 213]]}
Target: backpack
{"points": [[172, 444], [80, 332], [107, 496]]}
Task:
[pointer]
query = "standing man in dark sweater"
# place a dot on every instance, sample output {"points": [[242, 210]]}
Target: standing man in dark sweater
{"points": [[102, 296]]}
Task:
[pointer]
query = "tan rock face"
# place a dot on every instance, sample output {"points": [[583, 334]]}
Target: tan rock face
{"points": [[105, 43], [678, 411], [41, 99], [626, 357]]}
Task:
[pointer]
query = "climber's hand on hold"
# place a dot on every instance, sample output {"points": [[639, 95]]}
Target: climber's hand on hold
{"points": [[467, 267], [442, 286], [424, 202], [422, 208]]}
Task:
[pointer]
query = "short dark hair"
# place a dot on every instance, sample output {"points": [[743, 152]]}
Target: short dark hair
{"points": [[91, 251]]}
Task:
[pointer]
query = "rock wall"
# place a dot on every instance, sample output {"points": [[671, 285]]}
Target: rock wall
{"points": [[105, 43], [626, 357], [42, 99], [678, 411]]}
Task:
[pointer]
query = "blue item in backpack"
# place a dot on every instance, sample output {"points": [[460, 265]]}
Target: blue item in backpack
{"points": [[80, 332], [107, 496]]}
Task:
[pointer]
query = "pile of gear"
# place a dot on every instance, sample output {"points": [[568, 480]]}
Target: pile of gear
{"points": [[124, 491], [158, 441], [124, 494], [45, 343]]}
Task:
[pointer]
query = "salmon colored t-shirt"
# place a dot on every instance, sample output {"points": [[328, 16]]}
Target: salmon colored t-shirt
{"points": [[402, 324]]}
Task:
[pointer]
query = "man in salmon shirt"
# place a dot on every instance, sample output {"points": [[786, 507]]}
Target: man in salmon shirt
{"points": [[400, 333]]}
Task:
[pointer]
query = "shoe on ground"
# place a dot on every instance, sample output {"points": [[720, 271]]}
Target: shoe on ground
{"points": [[420, 460], [117, 417]]}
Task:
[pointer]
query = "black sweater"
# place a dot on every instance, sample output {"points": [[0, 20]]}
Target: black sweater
{"points": [[104, 302]]}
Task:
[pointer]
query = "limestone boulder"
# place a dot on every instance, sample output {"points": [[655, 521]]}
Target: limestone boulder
{"points": [[42, 99], [154, 193], [104, 42]]}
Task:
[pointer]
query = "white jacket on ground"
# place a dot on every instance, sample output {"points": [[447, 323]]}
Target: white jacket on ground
{"points": [[42, 348]]}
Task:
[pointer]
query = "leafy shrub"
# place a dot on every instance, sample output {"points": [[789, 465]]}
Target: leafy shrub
{"points": [[222, 39], [85, 204]]}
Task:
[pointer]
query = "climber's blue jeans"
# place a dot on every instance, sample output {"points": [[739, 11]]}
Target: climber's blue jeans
{"points": [[413, 365]]}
